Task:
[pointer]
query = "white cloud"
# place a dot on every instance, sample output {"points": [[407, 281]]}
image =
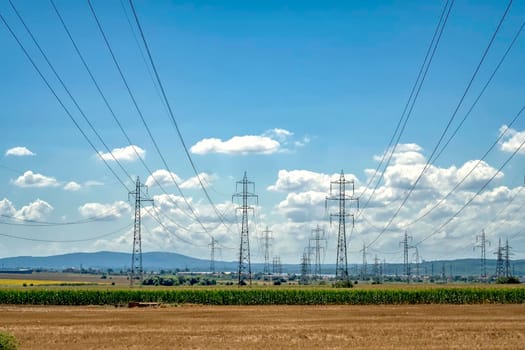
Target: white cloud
{"points": [[30, 179], [300, 180], [7, 208], [272, 141], [72, 186], [36, 210], [162, 177], [105, 211], [280, 134], [240, 145], [126, 154], [512, 140], [193, 182], [304, 206], [19, 151]]}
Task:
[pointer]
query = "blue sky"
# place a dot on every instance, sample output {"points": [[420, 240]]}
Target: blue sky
{"points": [[289, 91]]}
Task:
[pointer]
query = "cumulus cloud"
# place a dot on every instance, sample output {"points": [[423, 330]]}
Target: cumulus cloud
{"points": [[193, 182], [300, 180], [72, 186], [304, 207], [111, 211], [125, 154], [237, 145], [30, 179], [512, 140], [19, 151], [162, 177], [36, 210], [7, 208], [272, 141]]}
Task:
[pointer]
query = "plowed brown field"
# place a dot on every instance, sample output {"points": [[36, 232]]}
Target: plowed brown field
{"points": [[268, 327]]}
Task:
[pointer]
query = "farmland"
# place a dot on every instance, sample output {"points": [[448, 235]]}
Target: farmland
{"points": [[263, 327]]}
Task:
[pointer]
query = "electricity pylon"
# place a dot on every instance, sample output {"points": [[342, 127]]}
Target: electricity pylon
{"points": [[277, 266], [482, 241], [213, 249], [245, 268], [406, 261], [137, 271], [318, 236], [267, 237], [341, 267], [507, 258], [499, 260], [363, 266]]}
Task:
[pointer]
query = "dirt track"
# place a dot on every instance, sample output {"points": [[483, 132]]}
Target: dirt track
{"points": [[268, 327]]}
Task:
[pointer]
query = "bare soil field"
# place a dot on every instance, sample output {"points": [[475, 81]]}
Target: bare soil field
{"points": [[268, 327]]}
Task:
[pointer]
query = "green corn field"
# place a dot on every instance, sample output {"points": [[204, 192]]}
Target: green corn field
{"points": [[265, 296]]}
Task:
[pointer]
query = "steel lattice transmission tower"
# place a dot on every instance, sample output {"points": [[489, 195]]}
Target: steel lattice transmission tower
{"points": [[341, 267], [245, 268], [499, 260], [406, 261], [213, 249], [364, 272], [267, 238], [507, 258], [482, 242], [137, 271], [318, 237], [277, 266]]}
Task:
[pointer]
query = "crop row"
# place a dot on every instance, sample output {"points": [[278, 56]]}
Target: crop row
{"points": [[265, 297]]}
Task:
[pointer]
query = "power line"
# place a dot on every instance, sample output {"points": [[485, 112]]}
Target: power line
{"points": [[443, 133], [75, 102], [61, 102], [171, 114], [66, 241], [467, 175], [38, 223], [115, 118], [414, 93], [135, 104], [481, 92], [475, 195]]}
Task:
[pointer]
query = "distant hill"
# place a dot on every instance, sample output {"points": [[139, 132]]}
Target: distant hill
{"points": [[105, 260], [163, 260]]}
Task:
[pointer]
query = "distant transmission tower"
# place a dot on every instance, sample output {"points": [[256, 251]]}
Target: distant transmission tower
{"points": [[245, 268], [277, 266], [267, 237], [499, 260], [213, 249], [418, 261], [482, 243], [377, 270], [137, 272], [406, 261], [304, 268], [318, 237], [341, 267], [507, 258], [363, 266]]}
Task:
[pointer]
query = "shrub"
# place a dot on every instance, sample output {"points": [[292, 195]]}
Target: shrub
{"points": [[8, 341], [508, 280], [343, 284]]}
